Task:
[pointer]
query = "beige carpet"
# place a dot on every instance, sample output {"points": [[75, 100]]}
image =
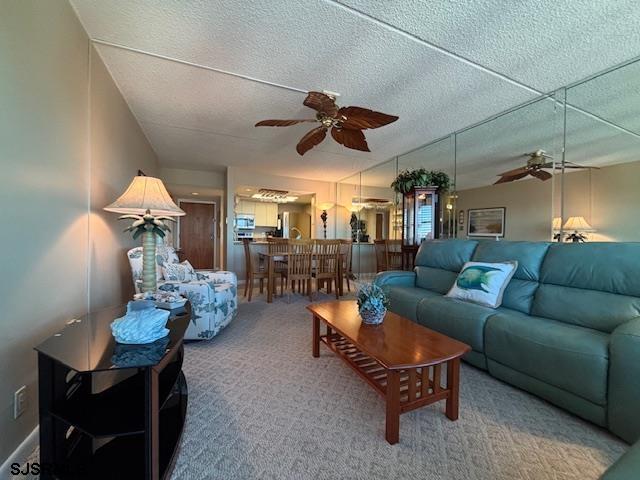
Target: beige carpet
{"points": [[260, 406]]}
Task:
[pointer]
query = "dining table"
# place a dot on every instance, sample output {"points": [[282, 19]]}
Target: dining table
{"points": [[270, 260]]}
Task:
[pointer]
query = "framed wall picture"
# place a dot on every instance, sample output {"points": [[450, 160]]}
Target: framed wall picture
{"points": [[486, 222]]}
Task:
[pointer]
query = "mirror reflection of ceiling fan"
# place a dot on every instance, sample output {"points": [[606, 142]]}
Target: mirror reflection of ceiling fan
{"points": [[536, 165]]}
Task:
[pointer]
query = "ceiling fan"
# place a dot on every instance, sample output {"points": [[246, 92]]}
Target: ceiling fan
{"points": [[538, 161], [346, 123]]}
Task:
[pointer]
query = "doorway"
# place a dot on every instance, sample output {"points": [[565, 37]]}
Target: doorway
{"points": [[379, 226], [197, 233]]}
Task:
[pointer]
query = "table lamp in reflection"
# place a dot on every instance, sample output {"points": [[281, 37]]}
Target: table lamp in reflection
{"points": [[579, 226], [556, 226], [147, 202]]}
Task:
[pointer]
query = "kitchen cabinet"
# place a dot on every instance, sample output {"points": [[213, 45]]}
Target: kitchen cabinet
{"points": [[272, 214], [266, 214], [245, 206], [261, 214]]}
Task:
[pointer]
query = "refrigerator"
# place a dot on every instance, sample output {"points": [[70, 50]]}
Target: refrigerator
{"points": [[294, 225]]}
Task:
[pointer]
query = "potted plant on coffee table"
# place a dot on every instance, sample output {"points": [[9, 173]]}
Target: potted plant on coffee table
{"points": [[372, 303]]}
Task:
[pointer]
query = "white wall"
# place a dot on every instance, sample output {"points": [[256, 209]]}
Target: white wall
{"points": [[55, 170], [199, 178]]}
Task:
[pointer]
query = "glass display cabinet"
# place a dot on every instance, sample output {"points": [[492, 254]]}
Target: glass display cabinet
{"points": [[420, 221]]}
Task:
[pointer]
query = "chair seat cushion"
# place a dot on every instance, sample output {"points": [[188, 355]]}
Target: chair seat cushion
{"points": [[457, 319], [572, 358], [404, 300]]}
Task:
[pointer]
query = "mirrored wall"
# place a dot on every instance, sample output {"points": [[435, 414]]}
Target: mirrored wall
{"points": [[603, 133], [563, 167]]}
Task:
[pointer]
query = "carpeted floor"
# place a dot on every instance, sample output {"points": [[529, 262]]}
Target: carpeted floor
{"points": [[260, 406]]}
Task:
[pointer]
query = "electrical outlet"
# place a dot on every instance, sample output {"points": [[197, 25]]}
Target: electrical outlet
{"points": [[19, 401]]}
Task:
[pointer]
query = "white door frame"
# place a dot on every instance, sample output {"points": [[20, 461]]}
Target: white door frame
{"points": [[215, 226]]}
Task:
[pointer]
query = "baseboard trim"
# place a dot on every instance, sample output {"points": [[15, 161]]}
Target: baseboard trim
{"points": [[21, 453]]}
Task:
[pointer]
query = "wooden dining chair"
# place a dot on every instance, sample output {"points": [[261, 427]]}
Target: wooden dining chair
{"points": [[394, 255], [299, 261], [381, 255], [276, 246], [254, 273], [346, 250], [325, 265]]}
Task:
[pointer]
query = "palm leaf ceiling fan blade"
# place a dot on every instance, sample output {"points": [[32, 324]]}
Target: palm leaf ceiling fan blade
{"points": [[322, 103], [283, 123], [358, 118], [311, 139], [541, 174], [350, 138], [575, 165], [511, 178], [515, 171]]}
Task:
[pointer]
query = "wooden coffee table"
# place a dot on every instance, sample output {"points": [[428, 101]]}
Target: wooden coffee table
{"points": [[400, 359]]}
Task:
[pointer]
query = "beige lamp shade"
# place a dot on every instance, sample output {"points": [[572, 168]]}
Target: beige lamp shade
{"points": [[557, 223], [578, 224], [145, 193], [326, 205]]}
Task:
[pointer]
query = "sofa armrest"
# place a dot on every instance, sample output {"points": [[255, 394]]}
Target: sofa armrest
{"points": [[624, 381], [220, 276], [397, 278], [627, 467]]}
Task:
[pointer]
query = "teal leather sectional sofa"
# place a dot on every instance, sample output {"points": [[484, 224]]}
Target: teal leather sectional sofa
{"points": [[568, 329]]}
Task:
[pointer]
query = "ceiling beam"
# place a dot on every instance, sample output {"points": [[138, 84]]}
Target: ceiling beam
{"points": [[197, 65]]}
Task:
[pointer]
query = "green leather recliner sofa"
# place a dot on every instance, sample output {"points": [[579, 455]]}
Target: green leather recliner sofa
{"points": [[568, 329]]}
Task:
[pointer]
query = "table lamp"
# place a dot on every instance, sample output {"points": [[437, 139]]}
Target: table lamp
{"points": [[147, 202], [556, 226], [324, 207], [578, 225]]}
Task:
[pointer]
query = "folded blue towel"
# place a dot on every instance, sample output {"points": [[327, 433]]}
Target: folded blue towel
{"points": [[143, 323]]}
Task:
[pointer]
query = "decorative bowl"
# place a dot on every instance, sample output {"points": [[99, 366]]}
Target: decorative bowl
{"points": [[372, 317]]}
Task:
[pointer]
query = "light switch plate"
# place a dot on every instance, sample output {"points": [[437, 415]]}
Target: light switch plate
{"points": [[19, 401]]}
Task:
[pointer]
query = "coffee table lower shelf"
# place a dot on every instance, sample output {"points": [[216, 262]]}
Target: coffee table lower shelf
{"points": [[404, 389]]}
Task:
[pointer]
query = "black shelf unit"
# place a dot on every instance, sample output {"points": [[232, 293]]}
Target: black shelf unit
{"points": [[129, 428]]}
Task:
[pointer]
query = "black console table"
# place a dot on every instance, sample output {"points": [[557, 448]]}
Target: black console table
{"points": [[109, 410]]}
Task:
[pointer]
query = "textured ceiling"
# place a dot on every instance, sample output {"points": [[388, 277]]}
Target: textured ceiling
{"points": [[438, 65]]}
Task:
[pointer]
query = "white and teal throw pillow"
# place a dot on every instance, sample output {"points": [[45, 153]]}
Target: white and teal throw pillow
{"points": [[483, 283], [178, 272]]}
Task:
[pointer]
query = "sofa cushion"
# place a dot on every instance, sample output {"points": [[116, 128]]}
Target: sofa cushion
{"points": [[435, 279], [587, 308], [606, 266], [404, 300], [529, 255], [592, 284], [445, 254], [463, 321], [569, 357]]}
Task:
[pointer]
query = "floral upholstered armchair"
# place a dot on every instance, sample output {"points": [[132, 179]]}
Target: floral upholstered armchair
{"points": [[213, 295]]}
